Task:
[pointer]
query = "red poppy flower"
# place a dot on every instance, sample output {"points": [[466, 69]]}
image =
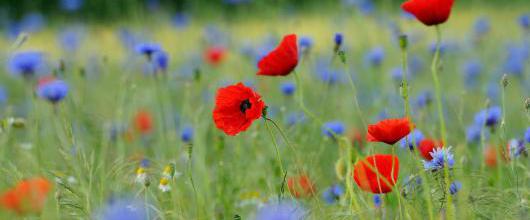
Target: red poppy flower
{"points": [[301, 186], [365, 173], [429, 12], [490, 157], [426, 146], [236, 107], [28, 196], [389, 131], [282, 60], [143, 122], [215, 55]]}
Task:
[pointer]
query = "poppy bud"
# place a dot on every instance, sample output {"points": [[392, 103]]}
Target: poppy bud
{"points": [[504, 80], [403, 42]]}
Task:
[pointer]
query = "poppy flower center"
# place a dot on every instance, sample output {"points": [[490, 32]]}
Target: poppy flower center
{"points": [[244, 106]]}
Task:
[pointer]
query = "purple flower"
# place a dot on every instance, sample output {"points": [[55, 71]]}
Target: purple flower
{"points": [[283, 210], [186, 135], [441, 157], [336, 127], [375, 57], [412, 139], [288, 88], [123, 208], [338, 39], [333, 193], [26, 64], [471, 70], [488, 117], [524, 21], [52, 90], [516, 147], [527, 135], [455, 187], [377, 200], [147, 49]]}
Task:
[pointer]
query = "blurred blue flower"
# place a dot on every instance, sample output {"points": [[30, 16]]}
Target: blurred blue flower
{"points": [[338, 39], [53, 90], [471, 70], [123, 208], [412, 139], [492, 90], [32, 22], [180, 20], [473, 133], [444, 48], [377, 200], [332, 128], [423, 99], [407, 16], [455, 187], [516, 147], [186, 135], [397, 74], [147, 48], [294, 118], [524, 21], [375, 57], [489, 117], [145, 163], [287, 88], [26, 64], [282, 210], [161, 60], [415, 65], [516, 60], [482, 26], [366, 7], [236, 2], [3, 96], [214, 36], [527, 135], [70, 38], [440, 157], [305, 42], [333, 193], [326, 73], [71, 5]]}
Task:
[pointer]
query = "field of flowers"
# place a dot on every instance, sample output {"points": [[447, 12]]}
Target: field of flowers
{"points": [[418, 110]]}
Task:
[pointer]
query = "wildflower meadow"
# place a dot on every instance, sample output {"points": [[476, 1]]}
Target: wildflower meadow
{"points": [[264, 109]]}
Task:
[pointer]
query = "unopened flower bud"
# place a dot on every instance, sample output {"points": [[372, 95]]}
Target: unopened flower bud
{"points": [[403, 41], [504, 80]]}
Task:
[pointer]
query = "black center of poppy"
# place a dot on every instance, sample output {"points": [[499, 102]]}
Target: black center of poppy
{"points": [[244, 105]]}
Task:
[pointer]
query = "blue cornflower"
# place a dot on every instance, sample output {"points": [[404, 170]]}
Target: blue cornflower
{"points": [[444, 47], [288, 88], [26, 64], [295, 118], [333, 128], [236, 2], [333, 193], [406, 15], [423, 99], [186, 135], [52, 90], [488, 117], [471, 70], [180, 20], [145, 163], [516, 60], [147, 49], [375, 57], [161, 60], [305, 42], [516, 147], [70, 39], [412, 139], [71, 5], [326, 73], [3, 96], [282, 210], [482, 26], [377, 200], [473, 133], [123, 208], [455, 187], [527, 135], [32, 22], [524, 21], [440, 157], [366, 7], [338, 39], [397, 74], [415, 65]]}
